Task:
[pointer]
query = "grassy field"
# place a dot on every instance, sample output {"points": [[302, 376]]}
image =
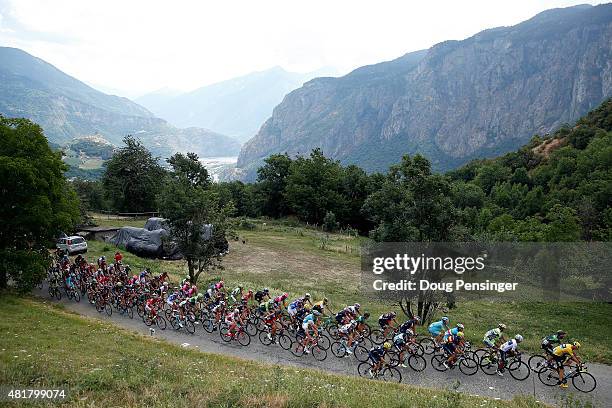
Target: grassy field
{"points": [[101, 365], [297, 259], [104, 220]]}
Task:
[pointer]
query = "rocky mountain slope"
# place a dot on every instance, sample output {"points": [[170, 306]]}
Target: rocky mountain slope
{"points": [[236, 107], [458, 100], [66, 108]]}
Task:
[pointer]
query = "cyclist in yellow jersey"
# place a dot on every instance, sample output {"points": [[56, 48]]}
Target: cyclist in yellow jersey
{"points": [[563, 353]]}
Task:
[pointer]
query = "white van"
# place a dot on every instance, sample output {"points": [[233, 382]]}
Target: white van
{"points": [[72, 245]]}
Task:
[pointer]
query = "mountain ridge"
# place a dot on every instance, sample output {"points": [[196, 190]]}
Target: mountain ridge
{"points": [[458, 101], [67, 108]]}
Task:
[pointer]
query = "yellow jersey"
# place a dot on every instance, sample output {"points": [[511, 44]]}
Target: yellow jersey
{"points": [[563, 349]]}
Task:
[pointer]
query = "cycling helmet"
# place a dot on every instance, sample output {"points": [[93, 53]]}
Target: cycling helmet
{"points": [[284, 296], [307, 296], [366, 315], [460, 335], [460, 326], [417, 318], [501, 326], [325, 300], [266, 290], [445, 319], [518, 338], [576, 344], [561, 333], [357, 306], [316, 312], [387, 345]]}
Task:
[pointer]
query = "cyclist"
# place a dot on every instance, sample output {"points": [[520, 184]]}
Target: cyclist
{"points": [[232, 320], [437, 329], [347, 331], [309, 324], [236, 294], [549, 341], [492, 336], [387, 322], [361, 322], [449, 345], [400, 343], [295, 306], [562, 354], [409, 326], [320, 305], [376, 356], [508, 348], [261, 294], [281, 300]]}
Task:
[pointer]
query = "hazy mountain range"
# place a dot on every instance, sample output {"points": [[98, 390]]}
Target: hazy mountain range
{"points": [[66, 108], [236, 107], [458, 100]]}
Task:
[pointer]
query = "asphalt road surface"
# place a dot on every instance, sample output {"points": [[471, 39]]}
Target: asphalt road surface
{"points": [[479, 384]]}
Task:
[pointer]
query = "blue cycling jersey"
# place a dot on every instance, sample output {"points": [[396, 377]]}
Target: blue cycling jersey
{"points": [[436, 327], [309, 318]]}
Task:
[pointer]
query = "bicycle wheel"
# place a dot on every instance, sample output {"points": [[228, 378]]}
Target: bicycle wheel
{"points": [[174, 322], [208, 325], [537, 362], [251, 328], [338, 349], [297, 349], [438, 361], [108, 309], [415, 348], [243, 338], [333, 331], [584, 382], [377, 337], [361, 353], [519, 370], [130, 312], [391, 374], [189, 326], [284, 341], [323, 342], [488, 364], [161, 322], [364, 370], [549, 377], [468, 366], [428, 345], [394, 360], [417, 362], [76, 296], [366, 331], [224, 333], [318, 353], [264, 339]]}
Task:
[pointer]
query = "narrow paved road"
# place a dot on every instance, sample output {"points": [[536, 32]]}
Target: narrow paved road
{"points": [[479, 384]]}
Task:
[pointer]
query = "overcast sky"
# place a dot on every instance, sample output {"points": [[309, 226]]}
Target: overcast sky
{"points": [[131, 47]]}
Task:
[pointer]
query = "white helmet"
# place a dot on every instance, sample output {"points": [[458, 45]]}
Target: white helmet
{"points": [[518, 338]]}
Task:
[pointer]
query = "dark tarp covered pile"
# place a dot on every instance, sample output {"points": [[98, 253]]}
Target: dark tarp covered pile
{"points": [[149, 242], [145, 242]]}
